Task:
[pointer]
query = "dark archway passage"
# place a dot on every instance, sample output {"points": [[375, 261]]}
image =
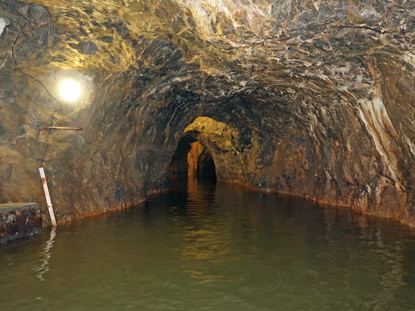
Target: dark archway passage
{"points": [[192, 159]]}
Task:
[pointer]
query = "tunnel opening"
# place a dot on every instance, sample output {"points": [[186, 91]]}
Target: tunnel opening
{"points": [[192, 159]]}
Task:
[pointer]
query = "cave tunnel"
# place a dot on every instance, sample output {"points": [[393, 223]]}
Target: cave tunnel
{"points": [[192, 159], [309, 99], [296, 112]]}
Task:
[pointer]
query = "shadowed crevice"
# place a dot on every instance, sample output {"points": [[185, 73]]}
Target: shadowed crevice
{"points": [[192, 159]]}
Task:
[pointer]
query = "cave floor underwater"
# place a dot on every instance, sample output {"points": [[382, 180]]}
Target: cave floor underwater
{"points": [[204, 246]]}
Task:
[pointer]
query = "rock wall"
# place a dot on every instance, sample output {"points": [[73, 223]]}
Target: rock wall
{"points": [[309, 98]]}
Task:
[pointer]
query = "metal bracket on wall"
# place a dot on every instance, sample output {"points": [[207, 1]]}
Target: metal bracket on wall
{"points": [[61, 128]]}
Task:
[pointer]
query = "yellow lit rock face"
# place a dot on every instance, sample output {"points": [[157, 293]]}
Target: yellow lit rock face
{"points": [[222, 142], [310, 98], [234, 159], [209, 126], [216, 132]]}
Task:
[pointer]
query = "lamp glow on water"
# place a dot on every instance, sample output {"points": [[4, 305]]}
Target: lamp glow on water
{"points": [[70, 90]]}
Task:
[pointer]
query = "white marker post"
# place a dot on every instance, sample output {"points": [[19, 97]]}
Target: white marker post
{"points": [[48, 200]]}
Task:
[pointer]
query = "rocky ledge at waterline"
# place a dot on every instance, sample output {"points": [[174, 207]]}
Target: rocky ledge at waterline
{"points": [[19, 221], [309, 98]]}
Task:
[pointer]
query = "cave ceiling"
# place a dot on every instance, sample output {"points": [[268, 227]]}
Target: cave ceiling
{"points": [[274, 48], [291, 54]]}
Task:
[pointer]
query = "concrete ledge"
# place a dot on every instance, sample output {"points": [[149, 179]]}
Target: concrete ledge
{"points": [[19, 220]]}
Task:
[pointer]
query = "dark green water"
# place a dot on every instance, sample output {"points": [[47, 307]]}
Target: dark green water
{"points": [[206, 247]]}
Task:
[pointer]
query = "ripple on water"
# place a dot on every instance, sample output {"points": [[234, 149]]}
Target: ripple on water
{"points": [[207, 247]]}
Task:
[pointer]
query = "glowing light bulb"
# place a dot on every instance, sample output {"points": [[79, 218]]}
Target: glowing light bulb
{"points": [[70, 90]]}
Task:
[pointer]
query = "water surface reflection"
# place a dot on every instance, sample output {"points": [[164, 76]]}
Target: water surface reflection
{"points": [[215, 247], [43, 267]]}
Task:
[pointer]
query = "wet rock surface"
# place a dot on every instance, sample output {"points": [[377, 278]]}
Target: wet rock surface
{"points": [[309, 98]]}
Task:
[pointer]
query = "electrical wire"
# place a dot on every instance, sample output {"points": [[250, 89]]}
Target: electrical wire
{"points": [[14, 57], [26, 22], [42, 160]]}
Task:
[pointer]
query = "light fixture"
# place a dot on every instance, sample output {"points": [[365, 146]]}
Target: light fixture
{"points": [[70, 90]]}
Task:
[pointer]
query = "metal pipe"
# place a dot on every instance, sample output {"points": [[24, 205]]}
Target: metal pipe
{"points": [[47, 195], [60, 128]]}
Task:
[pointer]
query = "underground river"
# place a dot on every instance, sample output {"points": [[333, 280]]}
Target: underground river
{"points": [[214, 247]]}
